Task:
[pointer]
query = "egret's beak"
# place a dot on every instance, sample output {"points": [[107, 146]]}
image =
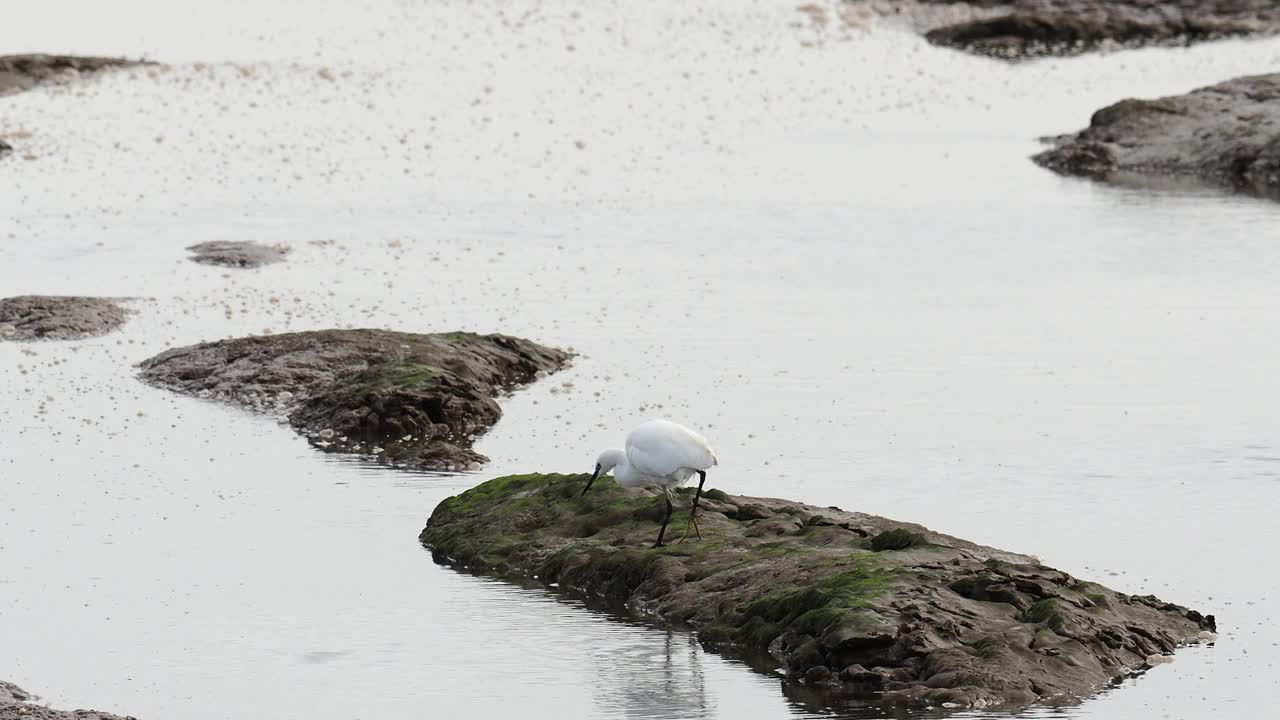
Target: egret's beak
{"points": [[594, 475]]}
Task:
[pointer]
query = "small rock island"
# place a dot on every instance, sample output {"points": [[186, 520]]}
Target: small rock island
{"points": [[18, 704], [414, 401], [236, 253], [58, 317], [1018, 29], [19, 73], [1226, 134], [850, 603]]}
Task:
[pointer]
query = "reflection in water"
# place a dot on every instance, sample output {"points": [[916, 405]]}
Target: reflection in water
{"points": [[814, 702], [648, 671], [645, 671], [324, 656], [652, 680], [1185, 186]]}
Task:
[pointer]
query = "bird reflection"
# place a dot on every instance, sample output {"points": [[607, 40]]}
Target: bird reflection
{"points": [[659, 684]]}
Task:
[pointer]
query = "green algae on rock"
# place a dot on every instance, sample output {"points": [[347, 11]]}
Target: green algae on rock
{"points": [[411, 400], [918, 617]]}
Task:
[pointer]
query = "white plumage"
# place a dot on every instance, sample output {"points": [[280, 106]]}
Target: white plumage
{"points": [[661, 452], [663, 455]]}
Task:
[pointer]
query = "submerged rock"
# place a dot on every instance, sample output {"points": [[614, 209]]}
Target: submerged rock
{"points": [[58, 317], [415, 401], [23, 72], [1027, 28], [919, 617], [1227, 134], [237, 254], [18, 704]]}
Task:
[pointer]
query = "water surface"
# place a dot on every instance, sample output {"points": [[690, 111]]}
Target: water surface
{"points": [[828, 251]]}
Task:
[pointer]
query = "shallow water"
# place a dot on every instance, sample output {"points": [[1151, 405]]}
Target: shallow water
{"points": [[825, 249]]}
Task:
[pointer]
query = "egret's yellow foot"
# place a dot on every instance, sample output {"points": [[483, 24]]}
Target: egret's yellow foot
{"points": [[693, 523]]}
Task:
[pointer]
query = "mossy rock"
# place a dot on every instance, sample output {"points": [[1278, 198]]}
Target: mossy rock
{"points": [[837, 591], [896, 539], [408, 400], [1046, 611]]}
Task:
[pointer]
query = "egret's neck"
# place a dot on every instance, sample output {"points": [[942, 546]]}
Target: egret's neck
{"points": [[611, 459]]}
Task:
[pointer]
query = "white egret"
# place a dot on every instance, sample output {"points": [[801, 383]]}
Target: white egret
{"points": [[663, 455]]}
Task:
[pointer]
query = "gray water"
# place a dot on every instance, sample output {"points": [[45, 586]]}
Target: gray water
{"points": [[823, 248]]}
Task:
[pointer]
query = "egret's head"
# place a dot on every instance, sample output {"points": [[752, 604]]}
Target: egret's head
{"points": [[607, 460]]}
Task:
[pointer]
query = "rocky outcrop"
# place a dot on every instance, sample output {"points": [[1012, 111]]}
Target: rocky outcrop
{"points": [[847, 604], [415, 401], [58, 317], [237, 254], [1227, 134], [19, 73], [1028, 28], [23, 72], [18, 704]]}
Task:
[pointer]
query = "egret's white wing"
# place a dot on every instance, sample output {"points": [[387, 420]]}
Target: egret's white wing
{"points": [[659, 448]]}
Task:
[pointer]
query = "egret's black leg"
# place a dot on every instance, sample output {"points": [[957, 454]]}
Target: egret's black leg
{"points": [[666, 494], [702, 478], [693, 520]]}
